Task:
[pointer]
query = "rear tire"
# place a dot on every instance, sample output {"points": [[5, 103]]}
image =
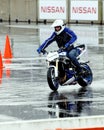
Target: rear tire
{"points": [[52, 80], [87, 77]]}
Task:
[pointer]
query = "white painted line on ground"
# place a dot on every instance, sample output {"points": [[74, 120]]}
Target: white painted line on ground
{"points": [[23, 59]]}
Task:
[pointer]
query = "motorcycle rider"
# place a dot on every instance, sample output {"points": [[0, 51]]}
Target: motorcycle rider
{"points": [[64, 38]]}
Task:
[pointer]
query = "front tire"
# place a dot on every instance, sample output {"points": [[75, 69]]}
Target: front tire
{"points": [[52, 80]]}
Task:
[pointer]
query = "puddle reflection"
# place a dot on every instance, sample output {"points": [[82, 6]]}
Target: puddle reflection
{"points": [[72, 104], [8, 71]]}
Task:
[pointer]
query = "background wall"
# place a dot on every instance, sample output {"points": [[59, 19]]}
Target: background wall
{"points": [[18, 10]]}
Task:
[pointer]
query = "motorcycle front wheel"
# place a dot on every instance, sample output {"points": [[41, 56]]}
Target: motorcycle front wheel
{"points": [[52, 80]]}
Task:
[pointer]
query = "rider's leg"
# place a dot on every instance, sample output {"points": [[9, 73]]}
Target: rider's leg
{"points": [[73, 57]]}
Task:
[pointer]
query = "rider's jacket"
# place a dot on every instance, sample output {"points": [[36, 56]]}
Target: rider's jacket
{"points": [[64, 39]]}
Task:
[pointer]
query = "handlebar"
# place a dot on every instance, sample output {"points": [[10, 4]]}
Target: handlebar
{"points": [[46, 52]]}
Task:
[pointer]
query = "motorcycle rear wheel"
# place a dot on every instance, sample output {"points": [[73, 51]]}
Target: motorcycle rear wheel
{"points": [[87, 78], [52, 80]]}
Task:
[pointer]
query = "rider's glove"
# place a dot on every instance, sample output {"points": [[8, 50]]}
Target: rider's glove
{"points": [[62, 49], [41, 51]]}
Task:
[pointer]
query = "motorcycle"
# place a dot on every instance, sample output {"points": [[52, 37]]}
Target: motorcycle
{"points": [[61, 71]]}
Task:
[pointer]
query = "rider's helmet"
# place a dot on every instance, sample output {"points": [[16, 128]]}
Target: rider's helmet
{"points": [[58, 26]]}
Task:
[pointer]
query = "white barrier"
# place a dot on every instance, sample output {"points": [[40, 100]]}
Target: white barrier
{"points": [[92, 122]]}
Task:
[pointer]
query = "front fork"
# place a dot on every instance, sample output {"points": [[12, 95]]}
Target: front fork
{"points": [[55, 67]]}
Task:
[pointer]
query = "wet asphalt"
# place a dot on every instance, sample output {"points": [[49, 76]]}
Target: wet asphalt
{"points": [[24, 92]]}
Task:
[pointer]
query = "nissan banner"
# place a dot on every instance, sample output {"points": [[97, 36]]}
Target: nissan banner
{"points": [[84, 10], [52, 9]]}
